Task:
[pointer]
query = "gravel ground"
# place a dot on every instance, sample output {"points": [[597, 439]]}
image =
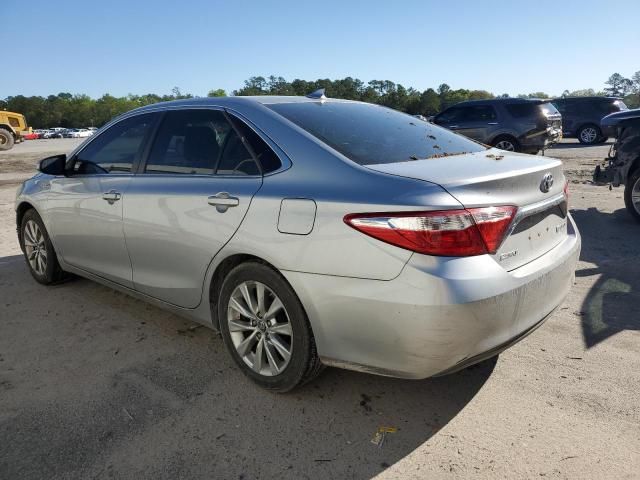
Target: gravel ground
{"points": [[95, 384]]}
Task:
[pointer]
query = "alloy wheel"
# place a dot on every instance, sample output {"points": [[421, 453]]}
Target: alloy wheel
{"points": [[635, 195], [260, 328], [588, 135], [35, 247], [505, 145]]}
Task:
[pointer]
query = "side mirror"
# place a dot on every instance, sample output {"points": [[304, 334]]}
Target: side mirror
{"points": [[53, 165]]}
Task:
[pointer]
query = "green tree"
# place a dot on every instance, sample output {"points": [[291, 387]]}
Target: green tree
{"points": [[219, 92], [618, 85]]}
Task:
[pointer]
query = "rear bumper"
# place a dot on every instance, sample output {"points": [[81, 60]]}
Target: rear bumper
{"points": [[438, 315], [541, 140]]}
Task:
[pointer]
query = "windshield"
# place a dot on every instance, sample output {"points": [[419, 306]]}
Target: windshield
{"points": [[370, 134]]}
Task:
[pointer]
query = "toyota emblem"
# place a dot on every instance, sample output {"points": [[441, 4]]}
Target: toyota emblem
{"points": [[546, 183]]}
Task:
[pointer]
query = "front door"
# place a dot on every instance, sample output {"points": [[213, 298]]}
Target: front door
{"points": [[188, 201], [86, 206]]}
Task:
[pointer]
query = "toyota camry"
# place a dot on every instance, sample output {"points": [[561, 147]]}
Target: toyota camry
{"points": [[310, 231]]}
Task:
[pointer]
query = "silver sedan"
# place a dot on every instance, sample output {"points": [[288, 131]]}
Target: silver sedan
{"points": [[309, 232]]}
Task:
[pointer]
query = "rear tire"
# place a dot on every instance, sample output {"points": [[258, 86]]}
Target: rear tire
{"points": [[632, 194], [6, 139], [273, 346], [589, 134], [38, 250], [507, 143]]}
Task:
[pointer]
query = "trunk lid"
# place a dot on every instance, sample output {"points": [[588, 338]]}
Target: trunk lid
{"points": [[492, 178]]}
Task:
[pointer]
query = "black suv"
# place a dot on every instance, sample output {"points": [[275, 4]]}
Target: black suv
{"points": [[513, 124], [581, 117]]}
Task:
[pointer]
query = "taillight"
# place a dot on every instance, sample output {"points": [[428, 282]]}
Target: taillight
{"points": [[450, 233], [566, 193]]}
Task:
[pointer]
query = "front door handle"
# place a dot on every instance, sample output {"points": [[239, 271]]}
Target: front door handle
{"points": [[111, 196], [222, 201], [492, 123], [453, 127]]}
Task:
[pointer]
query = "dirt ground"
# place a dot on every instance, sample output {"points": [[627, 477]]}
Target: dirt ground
{"points": [[95, 384]]}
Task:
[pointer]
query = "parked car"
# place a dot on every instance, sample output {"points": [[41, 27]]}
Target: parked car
{"points": [[310, 232], [48, 134], [30, 136], [55, 134], [512, 124], [68, 132], [81, 133], [622, 167], [581, 117]]}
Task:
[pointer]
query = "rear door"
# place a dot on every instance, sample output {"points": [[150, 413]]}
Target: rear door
{"points": [[187, 201], [474, 121], [85, 207]]}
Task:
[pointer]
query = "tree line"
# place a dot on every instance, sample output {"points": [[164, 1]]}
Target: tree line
{"points": [[68, 110]]}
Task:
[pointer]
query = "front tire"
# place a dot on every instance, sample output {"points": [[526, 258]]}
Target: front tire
{"points": [[632, 194], [38, 250], [265, 328], [589, 134]]}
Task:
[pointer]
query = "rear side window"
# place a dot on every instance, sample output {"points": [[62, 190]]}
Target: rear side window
{"points": [[199, 142], [267, 158], [477, 113], [370, 134], [117, 149], [523, 110]]}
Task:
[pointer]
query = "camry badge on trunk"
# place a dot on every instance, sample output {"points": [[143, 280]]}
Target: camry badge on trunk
{"points": [[546, 183]]}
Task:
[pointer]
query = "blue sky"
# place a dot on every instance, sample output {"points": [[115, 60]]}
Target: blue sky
{"points": [[127, 46]]}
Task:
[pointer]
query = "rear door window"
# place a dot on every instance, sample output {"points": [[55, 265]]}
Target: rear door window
{"points": [[371, 134], [199, 142], [477, 113]]}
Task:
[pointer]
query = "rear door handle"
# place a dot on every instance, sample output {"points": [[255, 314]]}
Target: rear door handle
{"points": [[452, 127], [222, 201], [111, 196], [492, 123]]}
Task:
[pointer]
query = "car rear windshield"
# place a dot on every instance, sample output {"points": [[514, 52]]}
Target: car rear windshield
{"points": [[619, 105], [522, 110], [370, 134]]}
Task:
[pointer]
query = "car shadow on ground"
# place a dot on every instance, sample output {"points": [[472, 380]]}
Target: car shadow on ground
{"points": [[613, 303], [95, 384]]}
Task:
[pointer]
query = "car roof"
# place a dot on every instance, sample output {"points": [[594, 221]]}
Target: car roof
{"points": [[593, 97], [234, 101], [510, 101]]}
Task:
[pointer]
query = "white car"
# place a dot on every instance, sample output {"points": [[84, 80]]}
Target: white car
{"points": [[81, 133]]}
